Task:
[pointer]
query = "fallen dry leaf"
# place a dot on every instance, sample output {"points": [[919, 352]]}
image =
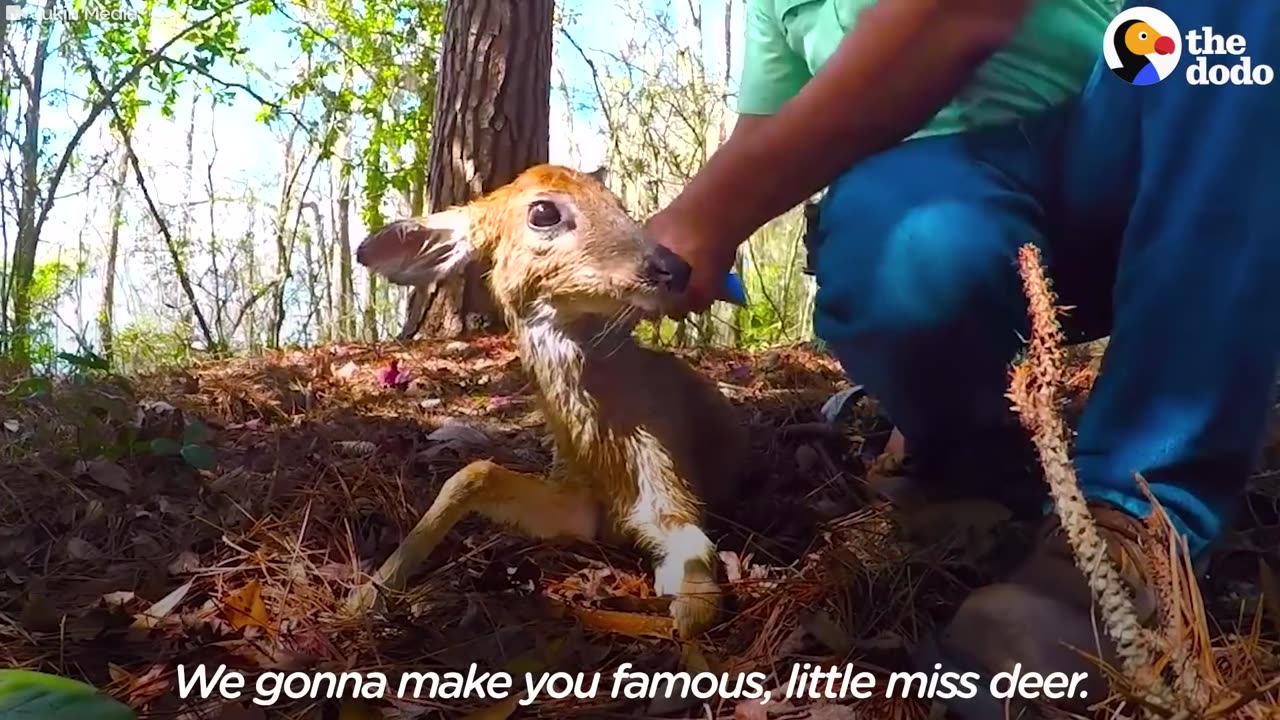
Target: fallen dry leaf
{"points": [[335, 571], [94, 511], [624, 623], [830, 711], [750, 710], [38, 615], [732, 564], [245, 608], [229, 480], [186, 562], [138, 690], [458, 433], [1270, 592], [118, 599], [155, 406], [12, 425], [896, 448], [154, 615], [755, 710], [81, 549], [346, 372], [265, 656], [108, 475]]}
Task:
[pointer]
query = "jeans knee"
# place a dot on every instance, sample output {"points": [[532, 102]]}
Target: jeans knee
{"points": [[936, 272]]}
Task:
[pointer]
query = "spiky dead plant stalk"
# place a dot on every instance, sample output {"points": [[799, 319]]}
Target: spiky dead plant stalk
{"points": [[1035, 388], [1182, 620]]}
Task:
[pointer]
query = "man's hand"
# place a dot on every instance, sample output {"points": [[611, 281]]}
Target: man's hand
{"points": [[687, 232]]}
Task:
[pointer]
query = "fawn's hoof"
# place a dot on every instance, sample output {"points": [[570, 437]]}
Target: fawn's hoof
{"points": [[694, 612], [697, 597], [364, 599]]}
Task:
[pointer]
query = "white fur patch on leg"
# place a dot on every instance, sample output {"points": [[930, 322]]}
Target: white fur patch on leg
{"points": [[680, 547]]}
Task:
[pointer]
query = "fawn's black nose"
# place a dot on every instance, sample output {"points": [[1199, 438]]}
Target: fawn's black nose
{"points": [[667, 269]]}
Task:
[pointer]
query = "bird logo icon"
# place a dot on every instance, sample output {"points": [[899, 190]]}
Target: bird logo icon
{"points": [[1142, 46]]}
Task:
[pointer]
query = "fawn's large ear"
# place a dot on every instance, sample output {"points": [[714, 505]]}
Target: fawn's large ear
{"points": [[419, 251], [601, 174]]}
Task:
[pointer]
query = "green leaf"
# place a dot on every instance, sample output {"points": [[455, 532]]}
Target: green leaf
{"points": [[198, 456], [29, 695], [195, 433], [32, 387], [88, 360], [165, 446]]}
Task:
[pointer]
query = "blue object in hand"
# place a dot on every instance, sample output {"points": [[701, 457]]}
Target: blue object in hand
{"points": [[735, 292]]}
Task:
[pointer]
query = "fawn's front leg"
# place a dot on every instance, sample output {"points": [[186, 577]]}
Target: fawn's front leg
{"points": [[533, 504], [665, 519], [687, 570]]}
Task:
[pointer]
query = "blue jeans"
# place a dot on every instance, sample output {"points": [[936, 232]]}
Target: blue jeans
{"points": [[1156, 209]]}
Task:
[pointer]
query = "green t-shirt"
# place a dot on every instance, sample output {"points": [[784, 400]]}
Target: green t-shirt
{"points": [[1048, 60]]}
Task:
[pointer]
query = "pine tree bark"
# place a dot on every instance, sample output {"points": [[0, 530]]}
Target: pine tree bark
{"points": [[491, 122]]}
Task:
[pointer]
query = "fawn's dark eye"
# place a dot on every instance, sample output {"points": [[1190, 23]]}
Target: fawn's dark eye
{"points": [[544, 215]]}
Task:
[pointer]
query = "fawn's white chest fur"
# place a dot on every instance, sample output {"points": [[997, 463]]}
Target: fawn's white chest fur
{"points": [[620, 417]]}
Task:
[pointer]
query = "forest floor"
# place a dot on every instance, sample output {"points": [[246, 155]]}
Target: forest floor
{"points": [[119, 565]]}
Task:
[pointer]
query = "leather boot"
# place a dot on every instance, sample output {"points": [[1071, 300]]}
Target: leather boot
{"points": [[1041, 618]]}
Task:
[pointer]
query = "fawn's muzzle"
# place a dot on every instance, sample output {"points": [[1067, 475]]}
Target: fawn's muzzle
{"points": [[667, 269]]}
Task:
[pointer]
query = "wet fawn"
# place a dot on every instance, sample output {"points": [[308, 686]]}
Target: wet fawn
{"points": [[642, 441]]}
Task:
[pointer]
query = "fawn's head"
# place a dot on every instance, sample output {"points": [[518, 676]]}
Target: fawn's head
{"points": [[558, 241]]}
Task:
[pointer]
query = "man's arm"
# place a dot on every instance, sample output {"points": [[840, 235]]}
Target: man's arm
{"points": [[903, 62], [746, 126]]}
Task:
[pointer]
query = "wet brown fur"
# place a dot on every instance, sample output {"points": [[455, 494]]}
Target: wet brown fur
{"points": [[642, 440]]}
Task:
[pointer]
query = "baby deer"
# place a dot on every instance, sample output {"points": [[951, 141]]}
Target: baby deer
{"points": [[642, 440]]}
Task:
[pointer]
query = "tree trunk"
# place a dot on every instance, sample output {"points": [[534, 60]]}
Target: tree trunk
{"points": [[248, 249], [491, 122], [216, 271], [186, 241], [346, 292], [314, 249], [292, 169], [106, 318], [22, 269]]}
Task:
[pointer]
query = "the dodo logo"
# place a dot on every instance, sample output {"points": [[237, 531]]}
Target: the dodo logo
{"points": [[1142, 46]]}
